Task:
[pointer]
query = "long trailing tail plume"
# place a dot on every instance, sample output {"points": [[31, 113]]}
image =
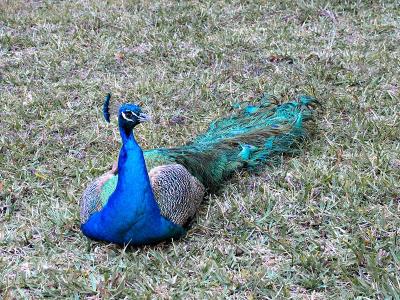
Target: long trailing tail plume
{"points": [[248, 139]]}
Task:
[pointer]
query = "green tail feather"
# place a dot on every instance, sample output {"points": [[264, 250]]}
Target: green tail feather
{"points": [[245, 140]]}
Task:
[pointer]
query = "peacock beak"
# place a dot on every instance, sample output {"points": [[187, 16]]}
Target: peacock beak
{"points": [[144, 118]]}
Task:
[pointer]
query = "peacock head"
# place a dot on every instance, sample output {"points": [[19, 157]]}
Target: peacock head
{"points": [[129, 115]]}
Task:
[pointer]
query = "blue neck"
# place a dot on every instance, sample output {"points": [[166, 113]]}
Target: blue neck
{"points": [[135, 195], [131, 164]]}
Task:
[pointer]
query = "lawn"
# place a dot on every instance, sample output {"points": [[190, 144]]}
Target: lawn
{"points": [[322, 224]]}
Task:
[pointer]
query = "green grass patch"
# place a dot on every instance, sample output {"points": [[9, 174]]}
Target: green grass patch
{"points": [[324, 224]]}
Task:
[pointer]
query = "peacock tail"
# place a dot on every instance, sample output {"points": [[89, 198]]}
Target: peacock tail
{"points": [[250, 138]]}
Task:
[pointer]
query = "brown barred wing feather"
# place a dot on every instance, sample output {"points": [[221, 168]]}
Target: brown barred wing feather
{"points": [[177, 192], [91, 198]]}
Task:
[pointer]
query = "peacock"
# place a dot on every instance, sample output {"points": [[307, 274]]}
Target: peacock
{"points": [[151, 196]]}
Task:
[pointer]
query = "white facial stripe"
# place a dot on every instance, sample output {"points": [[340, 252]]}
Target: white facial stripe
{"points": [[126, 118]]}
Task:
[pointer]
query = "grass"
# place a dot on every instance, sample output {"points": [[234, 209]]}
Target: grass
{"points": [[322, 225]]}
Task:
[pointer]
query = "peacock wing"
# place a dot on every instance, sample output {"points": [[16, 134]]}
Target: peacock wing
{"points": [[177, 192], [97, 193], [93, 198]]}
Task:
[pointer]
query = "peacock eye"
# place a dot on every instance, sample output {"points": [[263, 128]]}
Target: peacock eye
{"points": [[129, 114]]}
